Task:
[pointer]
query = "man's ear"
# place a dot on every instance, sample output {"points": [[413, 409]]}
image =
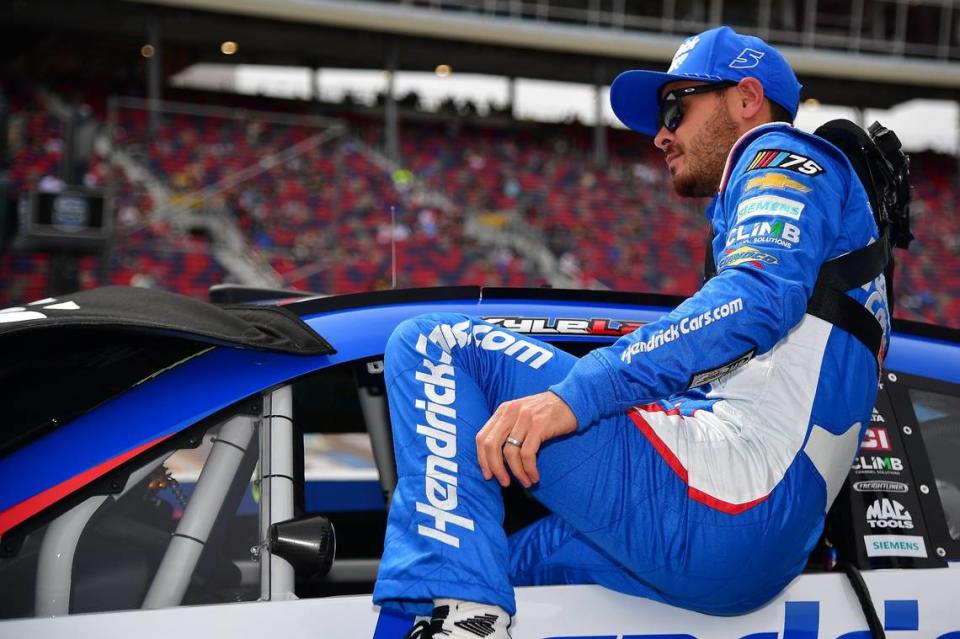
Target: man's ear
{"points": [[749, 95]]}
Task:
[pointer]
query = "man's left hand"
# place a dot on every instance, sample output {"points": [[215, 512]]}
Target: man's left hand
{"points": [[515, 433]]}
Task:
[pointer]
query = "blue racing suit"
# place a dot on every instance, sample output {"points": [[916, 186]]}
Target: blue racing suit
{"points": [[710, 443]]}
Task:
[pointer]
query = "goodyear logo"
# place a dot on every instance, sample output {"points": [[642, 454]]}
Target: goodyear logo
{"points": [[746, 255]]}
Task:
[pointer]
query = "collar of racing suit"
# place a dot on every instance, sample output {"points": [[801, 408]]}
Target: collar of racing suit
{"points": [[742, 142]]}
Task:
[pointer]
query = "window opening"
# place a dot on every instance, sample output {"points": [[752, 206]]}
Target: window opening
{"points": [[114, 545], [938, 418]]}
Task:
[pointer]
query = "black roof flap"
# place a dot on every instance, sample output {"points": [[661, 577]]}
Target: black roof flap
{"points": [[62, 357], [240, 294], [155, 312]]}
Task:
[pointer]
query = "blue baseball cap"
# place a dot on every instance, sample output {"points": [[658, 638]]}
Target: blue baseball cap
{"points": [[713, 56]]}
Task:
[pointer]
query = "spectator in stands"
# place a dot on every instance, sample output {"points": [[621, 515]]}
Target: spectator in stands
{"points": [[50, 184], [687, 462]]}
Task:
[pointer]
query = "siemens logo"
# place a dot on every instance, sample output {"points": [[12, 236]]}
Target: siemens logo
{"points": [[772, 205], [895, 546]]}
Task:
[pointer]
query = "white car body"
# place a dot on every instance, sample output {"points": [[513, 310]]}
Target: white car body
{"points": [[53, 578]]}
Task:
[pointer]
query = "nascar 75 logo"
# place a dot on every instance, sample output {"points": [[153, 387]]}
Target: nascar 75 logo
{"points": [[779, 159]]}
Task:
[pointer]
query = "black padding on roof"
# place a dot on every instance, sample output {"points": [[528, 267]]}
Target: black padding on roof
{"points": [[49, 377], [239, 294], [63, 357], [153, 312]]}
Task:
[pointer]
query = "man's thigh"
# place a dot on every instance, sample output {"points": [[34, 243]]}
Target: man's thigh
{"points": [[501, 364], [603, 480]]}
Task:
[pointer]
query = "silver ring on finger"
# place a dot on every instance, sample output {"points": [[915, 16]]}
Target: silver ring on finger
{"points": [[513, 441]]}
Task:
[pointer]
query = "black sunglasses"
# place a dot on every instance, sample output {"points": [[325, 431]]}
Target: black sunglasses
{"points": [[671, 104]]}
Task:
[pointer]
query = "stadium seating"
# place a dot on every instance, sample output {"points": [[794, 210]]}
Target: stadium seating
{"points": [[331, 205], [146, 253], [322, 219]]}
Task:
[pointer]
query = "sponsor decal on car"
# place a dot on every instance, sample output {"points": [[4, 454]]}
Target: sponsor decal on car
{"points": [[881, 465], [32, 310], [774, 180], [769, 205], [877, 305], [876, 417], [877, 439], [780, 159], [801, 620], [562, 326], [895, 546], [888, 513], [781, 233], [880, 486], [685, 326], [745, 255]]}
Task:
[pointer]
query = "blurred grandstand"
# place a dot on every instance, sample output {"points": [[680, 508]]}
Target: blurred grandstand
{"points": [[203, 187]]}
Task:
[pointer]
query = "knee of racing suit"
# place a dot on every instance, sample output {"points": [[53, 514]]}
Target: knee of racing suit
{"points": [[435, 336]]}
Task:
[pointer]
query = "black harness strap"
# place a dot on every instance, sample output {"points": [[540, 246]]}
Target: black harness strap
{"points": [[844, 312], [877, 158], [830, 301], [856, 268]]}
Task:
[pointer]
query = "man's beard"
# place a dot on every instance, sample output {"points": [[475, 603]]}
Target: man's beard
{"points": [[706, 155]]}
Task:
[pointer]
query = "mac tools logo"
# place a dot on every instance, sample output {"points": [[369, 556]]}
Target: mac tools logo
{"points": [[888, 513]]}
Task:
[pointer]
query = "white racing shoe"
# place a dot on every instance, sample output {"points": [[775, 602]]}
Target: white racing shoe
{"points": [[456, 619]]}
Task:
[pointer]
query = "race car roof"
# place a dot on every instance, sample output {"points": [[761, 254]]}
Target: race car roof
{"points": [[66, 355]]}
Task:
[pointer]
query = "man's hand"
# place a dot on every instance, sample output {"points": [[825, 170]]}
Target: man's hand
{"points": [[530, 421]]}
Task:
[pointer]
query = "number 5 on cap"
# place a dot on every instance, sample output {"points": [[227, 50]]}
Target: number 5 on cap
{"points": [[747, 59]]}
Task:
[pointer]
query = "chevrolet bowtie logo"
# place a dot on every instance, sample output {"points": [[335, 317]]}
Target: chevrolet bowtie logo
{"points": [[775, 181]]}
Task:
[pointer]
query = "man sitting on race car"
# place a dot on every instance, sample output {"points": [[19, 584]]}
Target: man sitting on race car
{"points": [[693, 461]]}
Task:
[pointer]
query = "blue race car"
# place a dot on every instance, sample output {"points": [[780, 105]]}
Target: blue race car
{"points": [[173, 466]]}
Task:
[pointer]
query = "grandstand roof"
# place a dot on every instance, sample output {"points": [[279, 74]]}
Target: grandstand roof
{"points": [[360, 34]]}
